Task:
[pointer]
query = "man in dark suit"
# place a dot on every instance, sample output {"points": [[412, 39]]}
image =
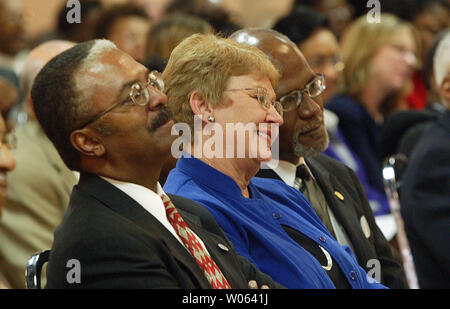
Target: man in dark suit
{"points": [[332, 188], [107, 117], [425, 192]]}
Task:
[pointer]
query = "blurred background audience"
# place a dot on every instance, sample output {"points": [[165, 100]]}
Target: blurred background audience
{"points": [[40, 186], [379, 61], [381, 93], [127, 26], [429, 17], [426, 188], [166, 34], [7, 164]]}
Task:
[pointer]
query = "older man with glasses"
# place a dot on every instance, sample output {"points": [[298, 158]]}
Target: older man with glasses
{"points": [[107, 117], [333, 189]]}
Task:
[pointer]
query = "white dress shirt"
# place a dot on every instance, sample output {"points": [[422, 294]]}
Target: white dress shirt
{"points": [[150, 201]]}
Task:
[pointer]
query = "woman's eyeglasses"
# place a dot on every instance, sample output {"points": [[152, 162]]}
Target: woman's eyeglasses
{"points": [[262, 96]]}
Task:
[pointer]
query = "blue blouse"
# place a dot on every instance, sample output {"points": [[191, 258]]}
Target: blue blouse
{"points": [[254, 225]]}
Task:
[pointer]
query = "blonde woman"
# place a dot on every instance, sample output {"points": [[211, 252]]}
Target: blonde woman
{"points": [[379, 61], [272, 224]]}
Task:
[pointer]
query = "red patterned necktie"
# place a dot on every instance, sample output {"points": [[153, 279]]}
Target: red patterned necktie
{"points": [[201, 256]]}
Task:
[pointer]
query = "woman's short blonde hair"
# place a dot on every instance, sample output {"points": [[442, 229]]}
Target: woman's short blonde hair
{"points": [[359, 44], [204, 63]]}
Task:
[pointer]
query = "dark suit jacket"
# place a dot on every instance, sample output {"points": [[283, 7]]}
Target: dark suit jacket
{"points": [[120, 245], [332, 176], [425, 205]]}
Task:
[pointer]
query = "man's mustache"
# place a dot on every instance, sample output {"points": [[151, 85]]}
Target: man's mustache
{"points": [[311, 125], [164, 115]]}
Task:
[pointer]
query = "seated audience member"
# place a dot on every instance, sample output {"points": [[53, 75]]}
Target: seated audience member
{"points": [[39, 187], [339, 13], [7, 164], [210, 11], [171, 30], [425, 197], [127, 26], [9, 91], [12, 33], [379, 60], [403, 129], [331, 188], [106, 115], [429, 17], [309, 30], [222, 82]]}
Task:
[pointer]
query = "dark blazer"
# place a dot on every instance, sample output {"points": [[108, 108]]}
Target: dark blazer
{"points": [[425, 205], [120, 245], [333, 176]]}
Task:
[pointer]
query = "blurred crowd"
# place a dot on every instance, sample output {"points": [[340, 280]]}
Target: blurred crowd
{"points": [[381, 96]]}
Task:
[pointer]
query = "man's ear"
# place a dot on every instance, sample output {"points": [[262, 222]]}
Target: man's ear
{"points": [[199, 106], [86, 143]]}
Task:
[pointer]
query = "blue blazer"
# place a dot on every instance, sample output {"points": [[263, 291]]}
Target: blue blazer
{"points": [[254, 225]]}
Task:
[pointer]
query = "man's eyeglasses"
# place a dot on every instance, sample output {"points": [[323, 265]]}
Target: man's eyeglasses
{"points": [[263, 98], [139, 94], [314, 88]]}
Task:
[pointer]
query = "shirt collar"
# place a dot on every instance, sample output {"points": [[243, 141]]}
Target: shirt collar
{"points": [[287, 170], [147, 198], [207, 175]]}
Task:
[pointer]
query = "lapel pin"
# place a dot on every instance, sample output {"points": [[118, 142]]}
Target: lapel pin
{"points": [[339, 195], [223, 247], [365, 226]]}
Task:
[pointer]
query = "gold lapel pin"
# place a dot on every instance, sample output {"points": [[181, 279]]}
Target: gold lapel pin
{"points": [[339, 195]]}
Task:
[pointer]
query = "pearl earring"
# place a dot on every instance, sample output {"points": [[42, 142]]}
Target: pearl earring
{"points": [[211, 118]]}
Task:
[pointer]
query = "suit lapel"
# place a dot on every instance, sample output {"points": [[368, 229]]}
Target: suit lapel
{"points": [[217, 246], [342, 209], [124, 205], [323, 179]]}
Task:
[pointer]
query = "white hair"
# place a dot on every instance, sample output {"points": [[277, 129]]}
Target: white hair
{"points": [[97, 50], [92, 63], [442, 59]]}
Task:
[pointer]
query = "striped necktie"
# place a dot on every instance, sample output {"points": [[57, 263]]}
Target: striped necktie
{"points": [[201, 256]]}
